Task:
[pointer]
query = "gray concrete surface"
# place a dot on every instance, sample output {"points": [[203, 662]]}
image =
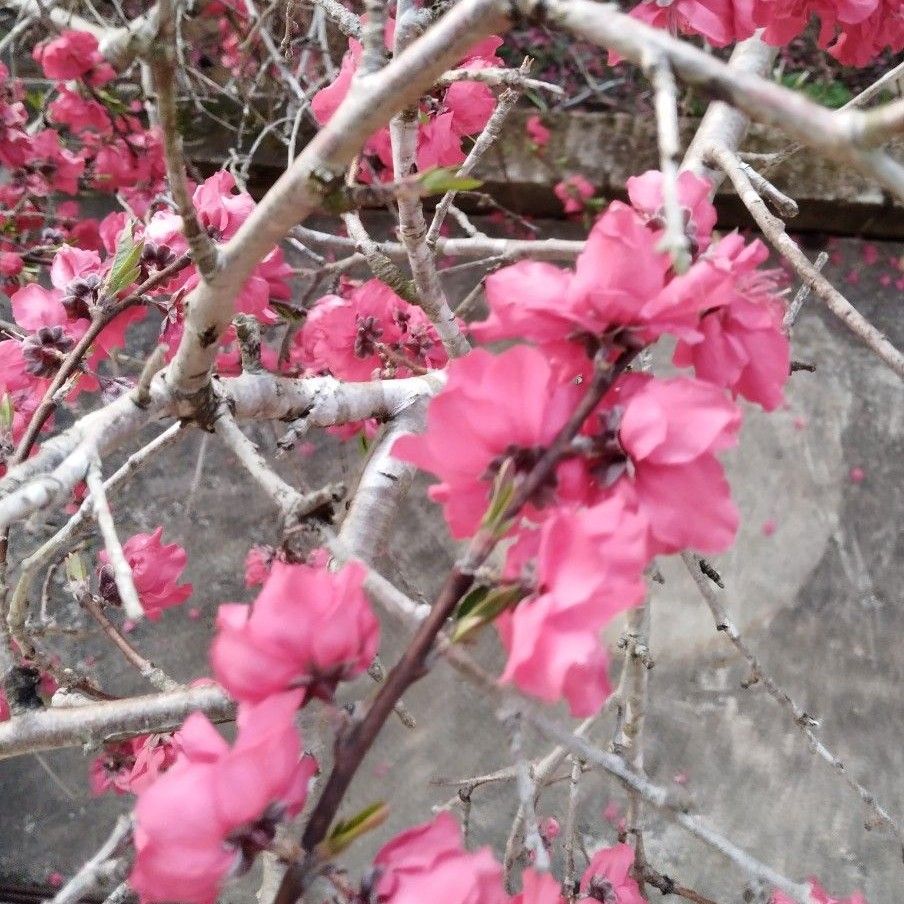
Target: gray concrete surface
{"points": [[820, 599]]}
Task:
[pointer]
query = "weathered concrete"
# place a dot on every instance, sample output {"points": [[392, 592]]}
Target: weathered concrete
{"points": [[820, 599]]}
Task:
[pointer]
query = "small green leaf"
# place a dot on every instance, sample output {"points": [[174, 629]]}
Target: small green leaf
{"points": [[288, 312], [482, 606], [75, 568], [503, 491], [346, 831], [35, 99], [6, 413], [441, 179], [111, 101], [125, 267]]}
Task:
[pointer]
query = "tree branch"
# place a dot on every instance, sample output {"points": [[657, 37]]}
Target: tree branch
{"points": [[75, 726], [774, 230]]}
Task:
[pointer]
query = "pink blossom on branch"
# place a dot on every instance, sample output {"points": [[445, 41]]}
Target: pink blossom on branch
{"points": [[620, 290], [538, 888], [658, 448], [462, 109], [608, 877], [367, 331], [258, 563], [156, 568], [589, 567], [309, 627], [133, 765], [217, 807], [492, 409], [721, 22], [73, 55], [221, 211], [741, 343], [645, 195], [574, 192], [414, 865]]}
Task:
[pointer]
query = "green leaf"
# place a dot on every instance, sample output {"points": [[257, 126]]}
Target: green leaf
{"points": [[439, 180], [483, 605], [111, 101], [503, 491], [126, 262], [35, 99], [346, 831], [288, 312], [6, 413], [75, 568]]}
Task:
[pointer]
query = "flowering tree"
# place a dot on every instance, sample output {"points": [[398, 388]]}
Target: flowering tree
{"points": [[564, 465]]}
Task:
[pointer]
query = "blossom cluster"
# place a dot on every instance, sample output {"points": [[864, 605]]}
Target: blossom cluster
{"points": [[155, 566], [854, 31], [51, 320], [87, 137], [431, 856], [642, 477], [208, 816], [460, 110], [215, 807]]}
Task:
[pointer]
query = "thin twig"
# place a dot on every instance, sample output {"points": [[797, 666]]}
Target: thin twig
{"points": [[101, 868], [803, 293], [154, 675], [805, 723], [163, 66], [122, 571], [674, 240], [774, 230], [507, 102]]}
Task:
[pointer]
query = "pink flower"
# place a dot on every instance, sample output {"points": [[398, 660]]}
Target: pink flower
{"points": [[10, 263], [645, 194], [741, 343], [621, 292], [207, 817], [538, 888], [132, 766], [309, 627], [428, 857], [670, 430], [258, 563], [819, 895], [72, 55], [463, 109], [785, 19], [221, 212], [54, 168], [859, 43], [857, 475], [4, 707], [156, 566], [471, 431], [721, 22], [608, 877], [537, 132], [574, 192], [550, 828], [589, 568], [470, 103], [71, 109], [370, 330]]}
